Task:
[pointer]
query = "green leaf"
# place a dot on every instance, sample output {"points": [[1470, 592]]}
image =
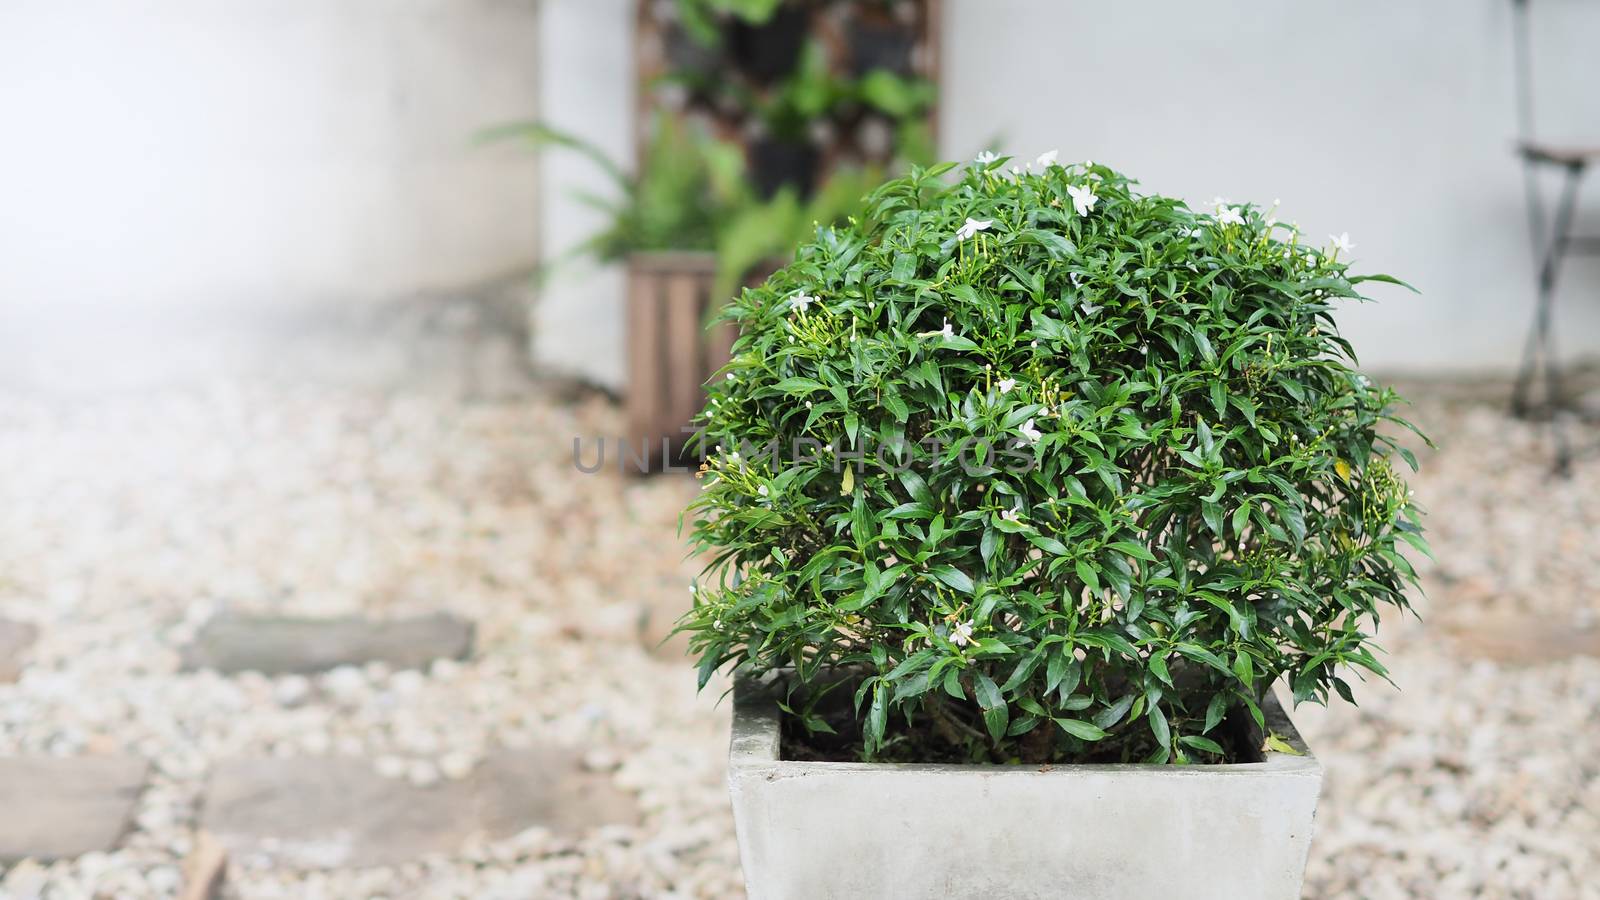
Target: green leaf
{"points": [[1158, 727], [1081, 729], [989, 695], [953, 577], [1201, 743], [1137, 551]]}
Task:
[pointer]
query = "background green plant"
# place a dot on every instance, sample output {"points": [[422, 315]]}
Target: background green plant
{"points": [[1207, 503], [691, 194]]}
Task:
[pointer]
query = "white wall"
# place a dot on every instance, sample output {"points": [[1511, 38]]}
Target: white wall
{"points": [[1392, 121], [190, 155], [587, 88]]}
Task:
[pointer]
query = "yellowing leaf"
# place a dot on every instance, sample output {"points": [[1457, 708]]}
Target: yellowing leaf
{"points": [[1278, 745], [1343, 468], [849, 483]]}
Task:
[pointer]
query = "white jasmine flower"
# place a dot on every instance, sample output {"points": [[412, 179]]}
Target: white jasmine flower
{"points": [[1016, 171], [1006, 384], [801, 302], [1219, 202], [947, 331], [972, 227], [808, 404], [1011, 516], [1341, 242], [762, 490], [1031, 433], [1230, 215], [1090, 309], [985, 157], [1083, 199], [961, 635], [731, 378], [1047, 159], [1034, 344], [1088, 164], [1144, 349]]}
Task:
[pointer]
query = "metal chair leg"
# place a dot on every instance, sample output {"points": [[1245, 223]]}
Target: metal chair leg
{"points": [[1539, 355]]}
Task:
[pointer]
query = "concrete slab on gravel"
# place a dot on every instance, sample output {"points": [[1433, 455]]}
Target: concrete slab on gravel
{"points": [[15, 638], [62, 807], [277, 645], [331, 812]]}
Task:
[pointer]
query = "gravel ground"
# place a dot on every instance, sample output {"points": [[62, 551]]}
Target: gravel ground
{"points": [[403, 464]]}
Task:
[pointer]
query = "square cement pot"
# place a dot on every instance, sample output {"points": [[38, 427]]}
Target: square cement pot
{"points": [[886, 830]]}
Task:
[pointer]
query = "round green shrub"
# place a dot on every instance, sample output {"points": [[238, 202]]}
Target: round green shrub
{"points": [[1056, 470]]}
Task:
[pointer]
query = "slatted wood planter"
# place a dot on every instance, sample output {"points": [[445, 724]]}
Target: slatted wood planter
{"points": [[671, 353]]}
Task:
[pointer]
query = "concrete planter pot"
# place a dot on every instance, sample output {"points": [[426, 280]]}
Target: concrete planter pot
{"points": [[881, 830]]}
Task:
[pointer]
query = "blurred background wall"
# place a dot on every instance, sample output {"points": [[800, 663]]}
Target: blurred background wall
{"points": [[1394, 122], [186, 156]]}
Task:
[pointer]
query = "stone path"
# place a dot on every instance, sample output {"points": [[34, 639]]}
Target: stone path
{"points": [[62, 808], [336, 612], [15, 638], [333, 813], [276, 645]]}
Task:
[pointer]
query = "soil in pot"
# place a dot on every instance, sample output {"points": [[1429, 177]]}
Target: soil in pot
{"points": [[929, 740]]}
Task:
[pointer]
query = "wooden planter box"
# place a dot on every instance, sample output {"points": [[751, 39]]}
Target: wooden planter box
{"points": [[671, 353]]}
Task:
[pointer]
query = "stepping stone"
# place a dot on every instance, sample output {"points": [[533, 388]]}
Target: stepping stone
{"points": [[15, 637], [277, 645], [330, 812], [1520, 640], [61, 807]]}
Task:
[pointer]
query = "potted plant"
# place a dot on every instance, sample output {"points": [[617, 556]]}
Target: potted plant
{"points": [[690, 228], [1095, 472]]}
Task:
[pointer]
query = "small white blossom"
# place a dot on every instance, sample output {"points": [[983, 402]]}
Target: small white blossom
{"points": [[1230, 215], [1341, 242], [961, 635], [1088, 164], [985, 157], [1144, 349], [1006, 384], [1090, 309], [801, 302], [1034, 344], [808, 404], [972, 227], [731, 378], [1047, 159], [1083, 199], [1219, 202], [1031, 433], [1016, 171], [1011, 516]]}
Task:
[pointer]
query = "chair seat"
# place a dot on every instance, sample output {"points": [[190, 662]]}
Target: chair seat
{"points": [[1558, 154]]}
